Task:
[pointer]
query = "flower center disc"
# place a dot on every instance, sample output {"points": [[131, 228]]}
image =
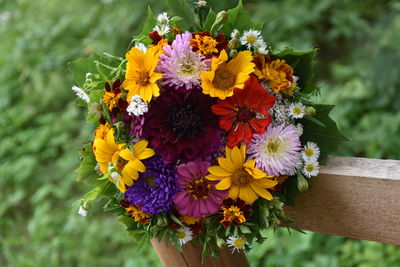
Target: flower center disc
{"points": [[199, 188], [120, 164], [241, 178], [223, 78], [185, 121], [142, 78], [244, 115]]}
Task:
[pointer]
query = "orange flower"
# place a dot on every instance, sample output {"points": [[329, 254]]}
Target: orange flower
{"points": [[276, 73]]}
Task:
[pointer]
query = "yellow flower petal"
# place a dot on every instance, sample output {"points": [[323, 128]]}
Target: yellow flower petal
{"points": [[226, 164], [126, 154], [224, 184], [247, 194], [261, 192], [218, 171], [213, 177], [236, 158], [265, 183], [233, 192]]}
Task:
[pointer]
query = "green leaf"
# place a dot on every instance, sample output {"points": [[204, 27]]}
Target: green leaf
{"points": [[290, 190], [314, 120], [327, 138], [239, 18], [150, 23], [303, 64], [94, 64], [183, 9], [86, 171], [209, 20], [244, 229]]}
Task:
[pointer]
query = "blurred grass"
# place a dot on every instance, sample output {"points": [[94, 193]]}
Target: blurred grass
{"points": [[41, 130]]}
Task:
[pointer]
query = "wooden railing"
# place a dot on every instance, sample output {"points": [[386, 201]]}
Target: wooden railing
{"points": [[352, 197]]}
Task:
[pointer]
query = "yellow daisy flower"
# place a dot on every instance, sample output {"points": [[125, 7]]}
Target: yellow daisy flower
{"points": [[225, 76], [126, 162], [140, 77], [240, 176]]}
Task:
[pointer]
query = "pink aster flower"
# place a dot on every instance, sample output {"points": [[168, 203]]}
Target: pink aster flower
{"points": [[277, 151], [180, 66], [198, 196]]}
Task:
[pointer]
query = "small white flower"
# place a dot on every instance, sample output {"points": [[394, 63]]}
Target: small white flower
{"points": [[82, 211], [163, 18], [300, 129], [310, 168], [97, 169], [235, 243], [310, 152], [251, 38], [81, 94], [295, 78], [115, 176], [296, 110], [141, 46], [201, 3], [162, 29], [96, 109], [137, 106], [184, 235], [235, 33], [260, 47]]}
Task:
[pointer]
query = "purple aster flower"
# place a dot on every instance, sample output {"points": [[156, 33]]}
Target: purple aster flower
{"points": [[277, 151], [181, 67], [155, 188], [181, 126]]}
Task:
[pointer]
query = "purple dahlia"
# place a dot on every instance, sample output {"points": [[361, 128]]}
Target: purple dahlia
{"points": [[181, 126], [155, 189]]}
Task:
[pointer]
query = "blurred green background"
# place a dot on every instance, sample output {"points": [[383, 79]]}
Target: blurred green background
{"points": [[41, 130]]}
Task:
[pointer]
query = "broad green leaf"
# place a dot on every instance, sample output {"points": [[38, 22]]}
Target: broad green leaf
{"points": [[239, 18], [150, 23], [303, 64], [86, 171], [184, 10], [328, 138], [209, 20]]}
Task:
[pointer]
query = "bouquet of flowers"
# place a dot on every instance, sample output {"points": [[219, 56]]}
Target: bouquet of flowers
{"points": [[202, 132]]}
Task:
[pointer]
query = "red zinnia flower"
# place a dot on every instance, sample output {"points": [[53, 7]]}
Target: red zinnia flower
{"points": [[245, 113]]}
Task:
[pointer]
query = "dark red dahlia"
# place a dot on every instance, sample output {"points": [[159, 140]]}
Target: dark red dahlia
{"points": [[245, 113], [180, 125]]}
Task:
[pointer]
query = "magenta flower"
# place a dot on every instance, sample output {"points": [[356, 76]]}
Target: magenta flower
{"points": [[180, 66], [198, 197]]}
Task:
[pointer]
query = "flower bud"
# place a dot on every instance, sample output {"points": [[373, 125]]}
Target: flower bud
{"points": [[221, 243], [233, 43], [162, 221], [221, 17], [233, 53], [302, 183], [310, 111]]}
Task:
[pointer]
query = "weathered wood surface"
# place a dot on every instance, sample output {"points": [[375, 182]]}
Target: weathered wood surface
{"points": [[191, 256], [353, 197]]}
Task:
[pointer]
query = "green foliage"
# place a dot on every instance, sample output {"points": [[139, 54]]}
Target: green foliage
{"points": [[239, 18], [42, 130], [325, 133]]}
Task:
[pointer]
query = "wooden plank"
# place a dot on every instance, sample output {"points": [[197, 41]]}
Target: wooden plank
{"points": [[170, 256], [353, 197]]}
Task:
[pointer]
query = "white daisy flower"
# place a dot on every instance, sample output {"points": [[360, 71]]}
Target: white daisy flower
{"points": [[310, 168], [235, 243], [81, 94], [310, 152], [296, 110], [141, 46], [235, 34], [251, 38], [261, 48], [163, 18], [82, 211], [137, 106], [184, 235], [161, 29]]}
